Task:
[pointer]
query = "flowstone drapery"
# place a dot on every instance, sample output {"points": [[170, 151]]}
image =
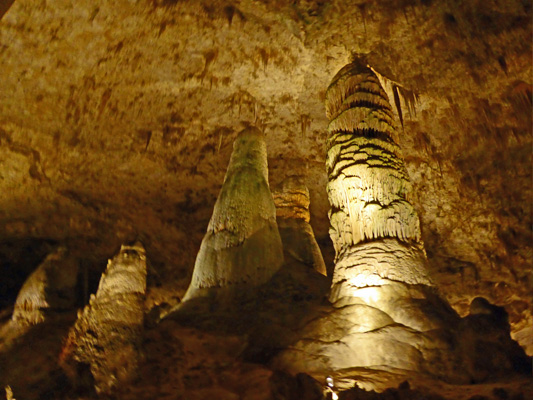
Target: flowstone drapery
{"points": [[242, 247], [102, 349]]}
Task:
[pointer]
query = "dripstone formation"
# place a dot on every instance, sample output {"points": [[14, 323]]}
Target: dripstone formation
{"points": [[292, 206], [386, 314], [102, 349], [45, 299], [242, 247], [51, 287]]}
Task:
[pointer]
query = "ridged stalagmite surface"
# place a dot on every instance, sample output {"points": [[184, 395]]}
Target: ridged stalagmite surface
{"points": [[242, 247], [106, 337], [368, 184], [51, 287], [368, 188], [292, 207], [386, 315], [381, 293]]}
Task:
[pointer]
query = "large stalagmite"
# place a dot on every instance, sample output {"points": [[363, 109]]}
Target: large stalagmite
{"points": [[386, 314], [374, 227], [242, 247], [103, 346]]}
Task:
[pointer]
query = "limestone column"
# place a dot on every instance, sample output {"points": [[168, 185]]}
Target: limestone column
{"points": [[103, 345], [385, 314], [374, 227], [292, 207], [242, 247], [386, 322]]}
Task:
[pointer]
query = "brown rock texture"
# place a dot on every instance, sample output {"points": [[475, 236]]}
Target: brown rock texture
{"points": [[103, 347], [117, 121], [151, 94]]}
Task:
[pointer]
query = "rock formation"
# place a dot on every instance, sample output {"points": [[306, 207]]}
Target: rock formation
{"points": [[102, 349], [242, 247], [386, 314], [51, 287], [292, 207]]}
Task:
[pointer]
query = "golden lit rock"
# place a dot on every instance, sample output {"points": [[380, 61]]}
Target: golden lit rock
{"points": [[117, 121], [386, 314]]}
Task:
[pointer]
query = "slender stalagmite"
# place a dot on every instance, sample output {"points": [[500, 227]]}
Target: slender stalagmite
{"points": [[103, 346], [242, 247], [292, 206]]}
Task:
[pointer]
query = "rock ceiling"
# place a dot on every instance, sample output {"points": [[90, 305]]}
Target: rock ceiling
{"points": [[118, 119]]}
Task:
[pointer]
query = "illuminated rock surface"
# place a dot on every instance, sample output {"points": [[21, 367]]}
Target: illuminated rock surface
{"points": [[242, 247], [292, 208], [386, 315], [102, 349], [117, 121]]}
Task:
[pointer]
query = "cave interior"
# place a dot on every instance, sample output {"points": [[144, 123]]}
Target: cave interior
{"points": [[266, 199]]}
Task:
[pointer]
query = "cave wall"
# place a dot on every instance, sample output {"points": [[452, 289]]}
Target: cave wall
{"points": [[118, 119]]}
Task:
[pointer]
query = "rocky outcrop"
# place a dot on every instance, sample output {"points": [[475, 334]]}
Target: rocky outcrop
{"points": [[292, 208], [242, 247], [51, 287], [102, 349]]}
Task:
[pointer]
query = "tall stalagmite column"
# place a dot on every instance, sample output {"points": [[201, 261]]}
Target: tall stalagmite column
{"points": [[242, 247], [385, 314], [102, 349], [374, 227], [387, 321]]}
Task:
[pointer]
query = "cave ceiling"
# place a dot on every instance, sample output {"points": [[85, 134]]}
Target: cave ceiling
{"points": [[117, 122]]}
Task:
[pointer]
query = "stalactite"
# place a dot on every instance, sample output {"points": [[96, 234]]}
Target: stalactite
{"points": [[106, 337], [242, 247]]}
